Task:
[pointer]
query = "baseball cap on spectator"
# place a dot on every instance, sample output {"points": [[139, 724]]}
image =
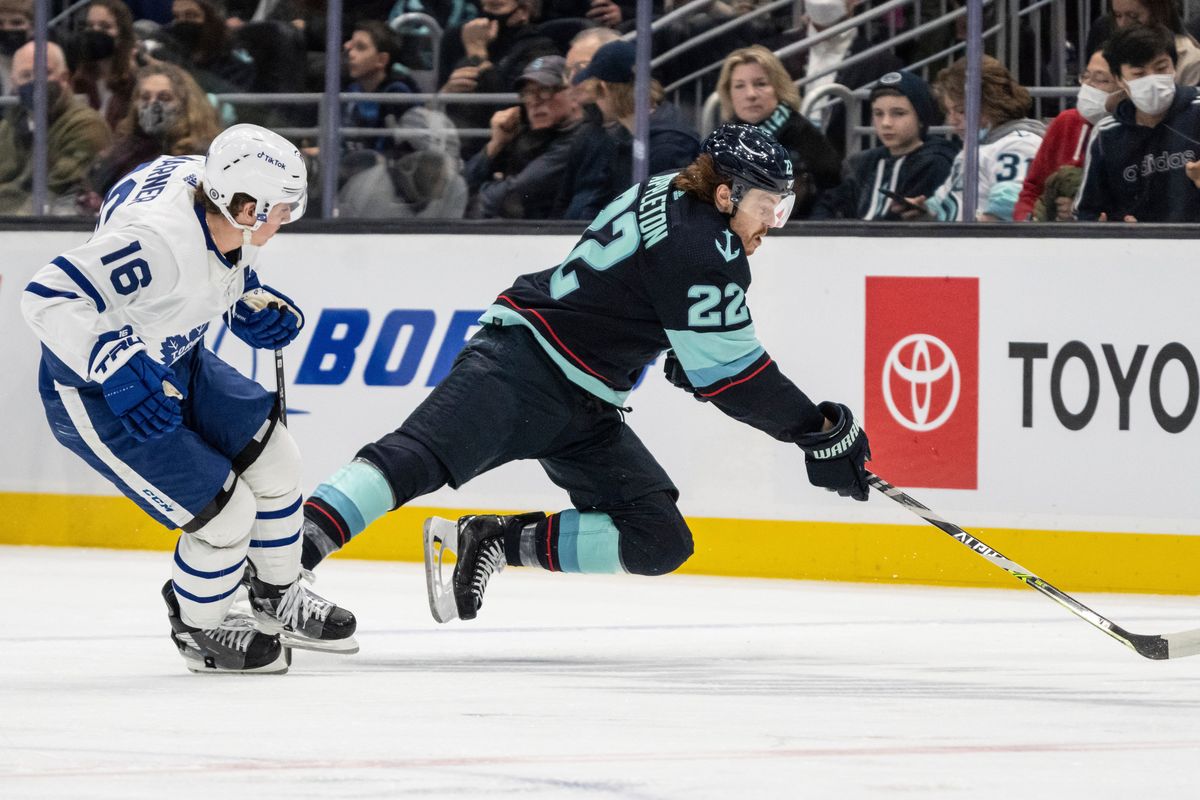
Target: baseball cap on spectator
{"points": [[545, 71], [612, 63], [916, 90]]}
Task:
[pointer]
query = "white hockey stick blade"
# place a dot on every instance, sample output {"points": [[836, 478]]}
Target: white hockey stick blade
{"points": [[441, 536], [1185, 643]]}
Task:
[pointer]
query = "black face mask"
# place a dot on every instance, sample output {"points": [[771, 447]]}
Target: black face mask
{"points": [[11, 41], [25, 95], [501, 18], [95, 45], [187, 34]]}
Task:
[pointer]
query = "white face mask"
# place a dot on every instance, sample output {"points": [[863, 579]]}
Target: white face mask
{"points": [[824, 13], [1152, 94], [1090, 103]]}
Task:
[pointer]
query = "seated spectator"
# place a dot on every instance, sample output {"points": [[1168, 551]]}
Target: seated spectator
{"points": [[198, 30], [486, 55], [1009, 142], [910, 162], [76, 135], [489, 52], [170, 115], [103, 53], [516, 175], [16, 27], [672, 143], [754, 88], [372, 61], [827, 57], [1142, 164], [421, 182], [592, 143], [1124, 13], [1066, 142]]}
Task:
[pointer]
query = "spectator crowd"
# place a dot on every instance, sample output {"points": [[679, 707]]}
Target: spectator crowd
{"points": [[130, 80]]}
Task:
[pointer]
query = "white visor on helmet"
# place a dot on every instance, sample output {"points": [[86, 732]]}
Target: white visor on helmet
{"points": [[771, 209]]}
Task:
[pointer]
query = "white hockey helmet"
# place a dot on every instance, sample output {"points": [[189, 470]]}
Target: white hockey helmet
{"points": [[258, 162]]}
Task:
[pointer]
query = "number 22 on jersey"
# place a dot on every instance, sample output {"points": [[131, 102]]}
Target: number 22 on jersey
{"points": [[600, 257]]}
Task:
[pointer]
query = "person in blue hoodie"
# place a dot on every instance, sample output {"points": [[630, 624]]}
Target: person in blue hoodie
{"points": [[909, 163], [1142, 163]]}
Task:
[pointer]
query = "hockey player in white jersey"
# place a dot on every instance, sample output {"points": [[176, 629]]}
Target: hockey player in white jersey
{"points": [[1008, 143], [129, 387]]}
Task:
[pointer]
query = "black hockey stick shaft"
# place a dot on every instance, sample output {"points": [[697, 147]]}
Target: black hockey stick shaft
{"points": [[280, 387], [1175, 645]]}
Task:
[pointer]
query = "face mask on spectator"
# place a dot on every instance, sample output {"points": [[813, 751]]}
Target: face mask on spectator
{"points": [[825, 12], [157, 117], [1152, 94], [96, 46], [1090, 103], [187, 34], [25, 95], [11, 41]]}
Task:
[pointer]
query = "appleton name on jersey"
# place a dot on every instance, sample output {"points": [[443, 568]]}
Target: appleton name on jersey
{"points": [[150, 278], [658, 269]]}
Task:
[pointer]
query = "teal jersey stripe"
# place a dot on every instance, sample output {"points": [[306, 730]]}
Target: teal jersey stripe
{"points": [[588, 542], [715, 355], [588, 383], [359, 493]]}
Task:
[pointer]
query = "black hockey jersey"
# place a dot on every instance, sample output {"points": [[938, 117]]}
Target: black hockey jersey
{"points": [[658, 269]]}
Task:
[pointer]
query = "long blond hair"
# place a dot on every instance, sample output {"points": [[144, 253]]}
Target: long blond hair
{"points": [[785, 91], [197, 123]]}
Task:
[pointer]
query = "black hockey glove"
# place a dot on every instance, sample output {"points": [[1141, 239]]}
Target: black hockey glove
{"points": [[835, 458], [676, 376]]}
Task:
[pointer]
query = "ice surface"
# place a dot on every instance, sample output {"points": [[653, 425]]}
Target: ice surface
{"points": [[595, 687]]}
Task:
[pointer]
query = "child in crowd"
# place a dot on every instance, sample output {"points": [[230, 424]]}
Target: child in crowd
{"points": [[908, 163], [1008, 142]]}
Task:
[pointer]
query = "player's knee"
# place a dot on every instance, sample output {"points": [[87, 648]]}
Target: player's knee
{"points": [[232, 521], [655, 539], [410, 468], [277, 470]]}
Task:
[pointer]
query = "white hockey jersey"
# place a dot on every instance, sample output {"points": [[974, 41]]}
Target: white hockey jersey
{"points": [[1004, 155], [149, 279]]}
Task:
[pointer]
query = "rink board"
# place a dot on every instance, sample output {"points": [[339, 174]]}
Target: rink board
{"points": [[1038, 392]]}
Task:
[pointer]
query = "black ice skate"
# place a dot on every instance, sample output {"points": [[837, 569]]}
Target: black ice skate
{"points": [[478, 542], [302, 618], [236, 646]]}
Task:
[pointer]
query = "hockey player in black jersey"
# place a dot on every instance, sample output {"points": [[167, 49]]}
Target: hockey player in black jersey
{"points": [[664, 266]]}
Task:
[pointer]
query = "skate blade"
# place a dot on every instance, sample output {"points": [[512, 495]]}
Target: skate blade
{"points": [[342, 647], [277, 667], [441, 536]]}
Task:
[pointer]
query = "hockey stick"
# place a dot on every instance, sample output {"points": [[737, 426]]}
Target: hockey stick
{"points": [[1160, 646], [280, 391]]}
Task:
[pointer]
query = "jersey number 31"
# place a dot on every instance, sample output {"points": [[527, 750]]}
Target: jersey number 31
{"points": [[600, 257]]}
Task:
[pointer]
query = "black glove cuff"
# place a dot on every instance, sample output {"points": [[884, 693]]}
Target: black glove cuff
{"points": [[835, 442]]}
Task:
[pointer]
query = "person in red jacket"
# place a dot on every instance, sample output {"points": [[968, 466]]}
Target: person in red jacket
{"points": [[1066, 141]]}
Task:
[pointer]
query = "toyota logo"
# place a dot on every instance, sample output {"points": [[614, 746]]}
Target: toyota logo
{"points": [[921, 360]]}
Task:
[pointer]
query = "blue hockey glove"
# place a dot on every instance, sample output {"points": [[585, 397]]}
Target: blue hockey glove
{"points": [[677, 376], [266, 319], [835, 459], [138, 394]]}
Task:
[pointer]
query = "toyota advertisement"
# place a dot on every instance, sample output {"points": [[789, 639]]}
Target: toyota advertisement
{"points": [[1021, 383]]}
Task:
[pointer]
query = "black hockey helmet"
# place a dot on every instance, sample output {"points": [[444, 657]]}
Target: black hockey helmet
{"points": [[752, 159]]}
